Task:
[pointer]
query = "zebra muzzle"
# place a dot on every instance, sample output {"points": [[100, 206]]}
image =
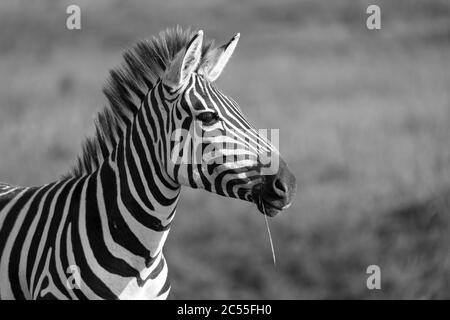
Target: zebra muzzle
{"points": [[276, 192]]}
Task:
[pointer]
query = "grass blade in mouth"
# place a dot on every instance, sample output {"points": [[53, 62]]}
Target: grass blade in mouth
{"points": [[268, 232]]}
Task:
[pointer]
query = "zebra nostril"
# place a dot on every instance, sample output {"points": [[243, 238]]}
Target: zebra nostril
{"points": [[279, 187]]}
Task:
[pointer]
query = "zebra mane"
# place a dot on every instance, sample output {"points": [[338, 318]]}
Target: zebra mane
{"points": [[126, 87]]}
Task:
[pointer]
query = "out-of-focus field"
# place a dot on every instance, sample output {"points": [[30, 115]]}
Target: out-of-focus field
{"points": [[365, 126]]}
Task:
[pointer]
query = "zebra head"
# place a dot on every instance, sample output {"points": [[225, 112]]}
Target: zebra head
{"points": [[212, 145]]}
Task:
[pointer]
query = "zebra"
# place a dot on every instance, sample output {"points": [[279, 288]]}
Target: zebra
{"points": [[110, 215]]}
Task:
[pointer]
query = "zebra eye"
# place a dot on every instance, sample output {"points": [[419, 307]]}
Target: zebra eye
{"points": [[208, 118]]}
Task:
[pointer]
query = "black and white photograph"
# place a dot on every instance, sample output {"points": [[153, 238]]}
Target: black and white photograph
{"points": [[241, 150]]}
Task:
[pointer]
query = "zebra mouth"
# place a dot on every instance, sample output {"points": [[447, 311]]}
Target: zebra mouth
{"points": [[268, 209], [263, 205], [268, 203]]}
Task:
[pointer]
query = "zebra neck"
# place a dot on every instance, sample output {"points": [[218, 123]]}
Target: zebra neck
{"points": [[137, 202], [125, 236], [142, 220]]}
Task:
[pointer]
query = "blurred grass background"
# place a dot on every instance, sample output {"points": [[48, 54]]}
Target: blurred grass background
{"points": [[365, 127]]}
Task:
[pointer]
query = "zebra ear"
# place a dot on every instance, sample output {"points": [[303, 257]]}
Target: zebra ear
{"points": [[185, 62], [216, 60]]}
